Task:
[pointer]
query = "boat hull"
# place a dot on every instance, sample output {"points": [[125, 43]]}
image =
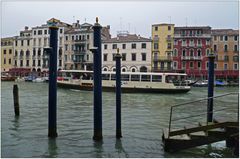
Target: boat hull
{"points": [[124, 89]]}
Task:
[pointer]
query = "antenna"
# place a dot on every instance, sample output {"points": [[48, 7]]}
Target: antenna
{"points": [[129, 27], [169, 19], [186, 21], [134, 30], [85, 19], [120, 23], [73, 19]]}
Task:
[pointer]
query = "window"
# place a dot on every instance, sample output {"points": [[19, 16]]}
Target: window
{"points": [[27, 63], [215, 38], [39, 52], [191, 42], [87, 36], [175, 52], [45, 31], [113, 57], [34, 42], [39, 32], [22, 42], [207, 52], [191, 53], [191, 64], [175, 42], [21, 63], [133, 56], [184, 53], [199, 42], [144, 46], [65, 58], [10, 61], [156, 28], [221, 38], [215, 66], [114, 46], [214, 47], [184, 43], [39, 62], [156, 78], [206, 65], [123, 46], [225, 66], [235, 48], [226, 38], [235, 38], [33, 63], [144, 57], [35, 32], [225, 48], [169, 46], [4, 61], [104, 57], [4, 52], [39, 41], [235, 58], [60, 63], [133, 46], [123, 56], [15, 62], [225, 58], [34, 52], [28, 42], [235, 66], [72, 37], [169, 27], [207, 42], [199, 64], [66, 47], [175, 64], [183, 64], [105, 46], [61, 31], [10, 51], [155, 46], [60, 41], [66, 38]]}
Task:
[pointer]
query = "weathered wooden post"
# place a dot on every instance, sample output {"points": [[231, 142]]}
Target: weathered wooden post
{"points": [[52, 96], [97, 77], [118, 95], [210, 86], [16, 100]]}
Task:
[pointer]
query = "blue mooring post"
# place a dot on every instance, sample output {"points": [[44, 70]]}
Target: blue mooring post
{"points": [[97, 77], [118, 95], [52, 96], [210, 87]]}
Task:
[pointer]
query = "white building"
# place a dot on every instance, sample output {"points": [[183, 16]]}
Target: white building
{"points": [[135, 51]]}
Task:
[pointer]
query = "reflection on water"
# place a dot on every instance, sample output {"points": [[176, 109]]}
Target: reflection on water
{"points": [[143, 118]]}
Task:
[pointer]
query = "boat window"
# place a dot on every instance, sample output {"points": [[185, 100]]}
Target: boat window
{"points": [[156, 78], [135, 77], [105, 76], [113, 77], [145, 78], [125, 77]]}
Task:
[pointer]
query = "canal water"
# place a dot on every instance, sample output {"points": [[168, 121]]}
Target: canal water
{"points": [[144, 116]]}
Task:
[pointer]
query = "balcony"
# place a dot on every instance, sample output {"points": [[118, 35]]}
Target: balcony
{"points": [[169, 39], [155, 39], [27, 56], [192, 35], [162, 58], [78, 60], [162, 69], [80, 42], [80, 52], [21, 57], [191, 58]]}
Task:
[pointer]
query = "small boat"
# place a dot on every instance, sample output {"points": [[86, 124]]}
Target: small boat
{"points": [[132, 82], [7, 78], [220, 83], [29, 78], [38, 79], [203, 83], [19, 79]]}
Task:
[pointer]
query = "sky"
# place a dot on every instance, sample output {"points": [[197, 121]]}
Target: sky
{"points": [[133, 16]]}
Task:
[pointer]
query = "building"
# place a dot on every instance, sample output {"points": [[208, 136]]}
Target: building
{"points": [[135, 51], [225, 44], [191, 48], [6, 54], [162, 47], [78, 41]]}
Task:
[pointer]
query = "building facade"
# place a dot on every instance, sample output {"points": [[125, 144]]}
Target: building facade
{"points": [[135, 51], [225, 44], [6, 54], [162, 47], [191, 48]]}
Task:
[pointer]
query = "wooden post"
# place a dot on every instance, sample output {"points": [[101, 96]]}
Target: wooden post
{"points": [[16, 100]]}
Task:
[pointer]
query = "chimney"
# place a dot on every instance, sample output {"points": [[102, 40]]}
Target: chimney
{"points": [[138, 36], [77, 21], [26, 28]]}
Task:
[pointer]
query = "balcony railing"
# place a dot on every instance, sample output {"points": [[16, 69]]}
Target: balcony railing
{"points": [[192, 35], [191, 57], [162, 69], [80, 52], [155, 38], [169, 38], [162, 58]]}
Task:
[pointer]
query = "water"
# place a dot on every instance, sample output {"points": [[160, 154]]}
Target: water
{"points": [[143, 118]]}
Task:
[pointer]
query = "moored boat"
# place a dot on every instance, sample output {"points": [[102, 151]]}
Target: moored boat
{"points": [[132, 82]]}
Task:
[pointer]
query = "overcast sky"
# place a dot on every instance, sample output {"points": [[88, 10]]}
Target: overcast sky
{"points": [[134, 16]]}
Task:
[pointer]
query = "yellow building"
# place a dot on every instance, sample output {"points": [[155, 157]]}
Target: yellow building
{"points": [[162, 47], [225, 44], [6, 54]]}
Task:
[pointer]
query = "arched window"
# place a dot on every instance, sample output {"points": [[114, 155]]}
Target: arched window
{"points": [[16, 53], [199, 53], [175, 52], [60, 51], [133, 70], [191, 53], [123, 69], [207, 52], [184, 52], [34, 52], [143, 69], [27, 53], [21, 53], [39, 52]]}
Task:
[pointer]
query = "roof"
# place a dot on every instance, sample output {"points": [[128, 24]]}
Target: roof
{"points": [[225, 32], [192, 27], [127, 38], [162, 24]]}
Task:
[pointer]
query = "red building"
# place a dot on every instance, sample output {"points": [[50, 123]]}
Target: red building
{"points": [[191, 47]]}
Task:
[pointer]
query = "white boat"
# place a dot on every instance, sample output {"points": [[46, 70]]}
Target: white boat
{"points": [[132, 82], [38, 79]]}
